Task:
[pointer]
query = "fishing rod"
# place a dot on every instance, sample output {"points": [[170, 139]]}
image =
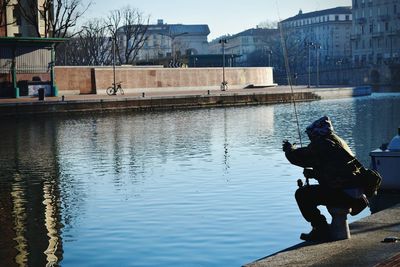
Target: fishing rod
{"points": [[288, 73], [289, 79]]}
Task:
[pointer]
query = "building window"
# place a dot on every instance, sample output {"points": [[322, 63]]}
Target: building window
{"points": [[387, 26], [379, 58], [363, 59], [347, 17], [395, 9], [371, 28], [336, 17], [370, 58]]}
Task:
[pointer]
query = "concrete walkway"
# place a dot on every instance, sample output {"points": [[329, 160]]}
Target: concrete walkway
{"points": [[323, 92], [365, 248], [171, 99]]}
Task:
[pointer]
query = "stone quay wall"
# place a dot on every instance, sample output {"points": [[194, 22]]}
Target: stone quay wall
{"points": [[94, 80]]}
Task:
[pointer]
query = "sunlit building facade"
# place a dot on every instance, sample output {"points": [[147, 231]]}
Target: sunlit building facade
{"points": [[328, 30], [14, 24], [174, 40], [247, 43], [376, 32]]}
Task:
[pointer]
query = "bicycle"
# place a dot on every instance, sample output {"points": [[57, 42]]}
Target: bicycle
{"points": [[112, 90], [224, 86]]}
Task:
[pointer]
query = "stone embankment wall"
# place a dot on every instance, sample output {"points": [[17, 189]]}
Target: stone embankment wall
{"points": [[94, 80], [75, 80], [150, 104]]}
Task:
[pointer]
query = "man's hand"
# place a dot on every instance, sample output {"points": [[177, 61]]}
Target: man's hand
{"points": [[287, 146]]}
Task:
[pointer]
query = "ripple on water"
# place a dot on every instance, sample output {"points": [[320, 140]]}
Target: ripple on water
{"points": [[193, 188]]}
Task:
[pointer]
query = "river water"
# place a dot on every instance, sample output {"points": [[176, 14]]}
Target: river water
{"points": [[208, 187]]}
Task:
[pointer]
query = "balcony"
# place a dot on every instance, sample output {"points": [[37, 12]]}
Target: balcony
{"points": [[384, 17], [377, 34], [361, 20], [355, 36]]}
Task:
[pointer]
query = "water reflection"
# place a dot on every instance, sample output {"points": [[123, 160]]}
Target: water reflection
{"points": [[29, 194], [169, 186]]}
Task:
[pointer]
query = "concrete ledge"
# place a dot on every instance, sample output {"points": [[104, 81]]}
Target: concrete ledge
{"points": [[173, 89], [167, 100], [365, 248], [342, 92], [137, 103], [69, 92]]}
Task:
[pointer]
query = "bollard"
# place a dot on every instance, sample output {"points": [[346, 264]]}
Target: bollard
{"points": [[208, 92], [41, 94], [339, 226], [62, 98], [143, 94]]}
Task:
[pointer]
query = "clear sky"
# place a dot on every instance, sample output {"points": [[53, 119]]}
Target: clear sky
{"points": [[222, 16]]}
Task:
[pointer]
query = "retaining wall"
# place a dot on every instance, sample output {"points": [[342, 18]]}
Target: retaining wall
{"points": [[153, 103], [75, 80], [94, 80]]}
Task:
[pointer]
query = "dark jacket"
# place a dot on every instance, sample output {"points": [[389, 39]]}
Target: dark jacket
{"points": [[330, 158]]}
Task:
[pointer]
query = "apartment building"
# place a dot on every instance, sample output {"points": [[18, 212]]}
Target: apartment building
{"points": [[376, 32], [246, 43], [174, 40], [14, 24], [328, 30]]}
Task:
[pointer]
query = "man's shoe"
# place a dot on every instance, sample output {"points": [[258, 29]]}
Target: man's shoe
{"points": [[317, 234]]}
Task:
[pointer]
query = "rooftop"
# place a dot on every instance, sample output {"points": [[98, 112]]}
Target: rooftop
{"points": [[177, 29], [332, 11]]}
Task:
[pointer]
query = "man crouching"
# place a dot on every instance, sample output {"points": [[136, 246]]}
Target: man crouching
{"points": [[330, 161]]}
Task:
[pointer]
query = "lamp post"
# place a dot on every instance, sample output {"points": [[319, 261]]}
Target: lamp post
{"points": [[224, 84], [340, 75], [194, 61], [309, 45], [269, 58], [112, 39], [98, 33], [317, 48], [172, 36]]}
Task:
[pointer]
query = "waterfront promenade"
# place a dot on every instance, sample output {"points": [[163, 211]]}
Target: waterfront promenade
{"points": [[173, 99], [365, 248]]}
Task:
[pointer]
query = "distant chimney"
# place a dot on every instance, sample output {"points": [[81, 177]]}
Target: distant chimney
{"points": [[300, 12], [160, 22]]}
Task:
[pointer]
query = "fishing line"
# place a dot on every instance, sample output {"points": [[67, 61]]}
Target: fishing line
{"points": [[288, 73]]}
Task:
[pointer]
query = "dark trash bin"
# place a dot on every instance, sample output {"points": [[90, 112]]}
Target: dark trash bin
{"points": [[41, 93]]}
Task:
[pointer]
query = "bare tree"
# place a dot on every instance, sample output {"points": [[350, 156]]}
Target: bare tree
{"points": [[95, 41], [128, 28], [268, 24], [91, 46], [59, 16], [290, 47]]}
